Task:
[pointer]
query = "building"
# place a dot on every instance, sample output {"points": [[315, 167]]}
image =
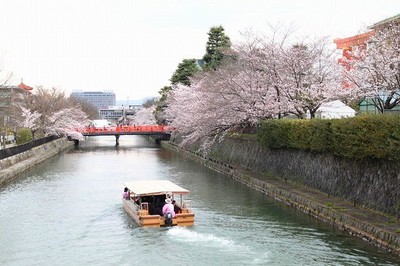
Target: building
{"points": [[362, 40], [346, 44], [112, 113], [10, 93], [10, 96], [334, 109], [100, 100], [118, 113]]}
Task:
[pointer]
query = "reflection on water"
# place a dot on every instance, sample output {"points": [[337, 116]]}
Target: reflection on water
{"points": [[68, 212]]}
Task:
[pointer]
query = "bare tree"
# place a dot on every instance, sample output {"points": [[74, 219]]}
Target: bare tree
{"points": [[90, 110], [67, 122], [54, 113]]}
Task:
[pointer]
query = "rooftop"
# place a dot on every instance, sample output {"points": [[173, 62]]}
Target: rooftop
{"points": [[154, 187], [385, 21]]}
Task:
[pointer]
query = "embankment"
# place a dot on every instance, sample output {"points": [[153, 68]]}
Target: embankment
{"points": [[331, 189], [17, 164]]}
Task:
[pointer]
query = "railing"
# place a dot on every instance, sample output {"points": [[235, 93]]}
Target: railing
{"points": [[148, 129], [25, 147]]}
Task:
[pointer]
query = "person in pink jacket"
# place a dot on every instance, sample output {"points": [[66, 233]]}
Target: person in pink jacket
{"points": [[168, 207], [125, 194]]}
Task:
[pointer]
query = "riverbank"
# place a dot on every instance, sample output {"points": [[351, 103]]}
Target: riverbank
{"points": [[374, 227], [15, 165]]}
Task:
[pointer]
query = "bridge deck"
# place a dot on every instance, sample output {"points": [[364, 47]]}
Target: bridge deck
{"points": [[126, 130]]}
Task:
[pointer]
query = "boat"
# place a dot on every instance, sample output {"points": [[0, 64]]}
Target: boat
{"points": [[145, 198]]}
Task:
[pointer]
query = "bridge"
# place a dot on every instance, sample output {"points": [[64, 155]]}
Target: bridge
{"points": [[156, 131]]}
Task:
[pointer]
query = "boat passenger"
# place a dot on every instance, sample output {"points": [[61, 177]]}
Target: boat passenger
{"points": [[125, 194], [177, 209], [168, 207], [136, 199], [158, 204]]}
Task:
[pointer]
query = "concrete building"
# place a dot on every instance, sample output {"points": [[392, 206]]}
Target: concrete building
{"points": [[118, 113], [99, 99], [11, 93], [9, 96]]}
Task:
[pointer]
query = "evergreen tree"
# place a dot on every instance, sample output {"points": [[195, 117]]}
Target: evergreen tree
{"points": [[217, 43], [186, 69], [161, 105]]}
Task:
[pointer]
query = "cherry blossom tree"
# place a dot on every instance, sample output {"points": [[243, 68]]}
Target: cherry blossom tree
{"points": [[374, 71], [30, 120], [265, 78], [303, 73], [144, 116], [50, 112], [46, 102], [244, 90], [193, 112], [310, 76], [67, 122], [231, 97]]}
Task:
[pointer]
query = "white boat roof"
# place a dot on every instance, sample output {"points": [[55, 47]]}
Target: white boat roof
{"points": [[154, 187]]}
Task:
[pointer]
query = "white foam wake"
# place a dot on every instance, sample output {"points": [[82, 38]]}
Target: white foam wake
{"points": [[185, 235]]}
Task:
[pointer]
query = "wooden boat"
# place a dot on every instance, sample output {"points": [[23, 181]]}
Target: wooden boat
{"points": [[146, 199]]}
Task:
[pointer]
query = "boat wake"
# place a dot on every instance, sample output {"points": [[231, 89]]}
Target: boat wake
{"points": [[185, 235], [204, 242]]}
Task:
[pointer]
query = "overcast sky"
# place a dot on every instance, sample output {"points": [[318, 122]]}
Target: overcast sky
{"points": [[133, 47]]}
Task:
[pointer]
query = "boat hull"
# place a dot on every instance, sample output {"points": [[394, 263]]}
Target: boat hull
{"points": [[144, 219]]}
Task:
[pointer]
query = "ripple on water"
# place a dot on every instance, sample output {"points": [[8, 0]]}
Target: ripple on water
{"points": [[72, 215]]}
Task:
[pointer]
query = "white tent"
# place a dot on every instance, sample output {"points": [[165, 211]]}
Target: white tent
{"points": [[334, 109]]}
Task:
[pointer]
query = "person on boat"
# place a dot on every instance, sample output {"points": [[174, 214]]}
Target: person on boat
{"points": [[177, 209], [125, 194], [158, 204], [136, 199], [168, 207]]}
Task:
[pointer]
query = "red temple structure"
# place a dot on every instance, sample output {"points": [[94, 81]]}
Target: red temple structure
{"points": [[347, 44], [24, 86], [360, 40]]}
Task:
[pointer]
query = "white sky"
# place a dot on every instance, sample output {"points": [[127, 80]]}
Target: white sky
{"points": [[133, 47]]}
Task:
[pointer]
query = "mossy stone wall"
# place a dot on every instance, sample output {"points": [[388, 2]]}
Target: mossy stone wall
{"points": [[369, 183]]}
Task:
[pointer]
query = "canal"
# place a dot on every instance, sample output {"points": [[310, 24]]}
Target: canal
{"points": [[68, 211]]}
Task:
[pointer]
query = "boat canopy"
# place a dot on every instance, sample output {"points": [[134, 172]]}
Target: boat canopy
{"points": [[154, 187]]}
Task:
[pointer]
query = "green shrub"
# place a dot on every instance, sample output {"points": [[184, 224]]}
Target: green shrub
{"points": [[321, 135], [274, 134], [24, 135], [373, 136]]}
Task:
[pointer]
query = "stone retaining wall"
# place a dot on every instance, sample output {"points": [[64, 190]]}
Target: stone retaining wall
{"points": [[12, 166], [371, 183], [239, 160]]}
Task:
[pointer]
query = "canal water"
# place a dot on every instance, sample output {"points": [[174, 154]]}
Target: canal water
{"points": [[68, 211]]}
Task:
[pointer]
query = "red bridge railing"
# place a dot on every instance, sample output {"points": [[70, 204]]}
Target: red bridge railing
{"points": [[126, 130]]}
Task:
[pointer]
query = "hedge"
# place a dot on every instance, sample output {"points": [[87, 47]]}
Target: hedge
{"points": [[24, 135], [361, 137]]}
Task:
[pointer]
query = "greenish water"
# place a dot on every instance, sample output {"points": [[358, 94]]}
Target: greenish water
{"points": [[68, 212]]}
